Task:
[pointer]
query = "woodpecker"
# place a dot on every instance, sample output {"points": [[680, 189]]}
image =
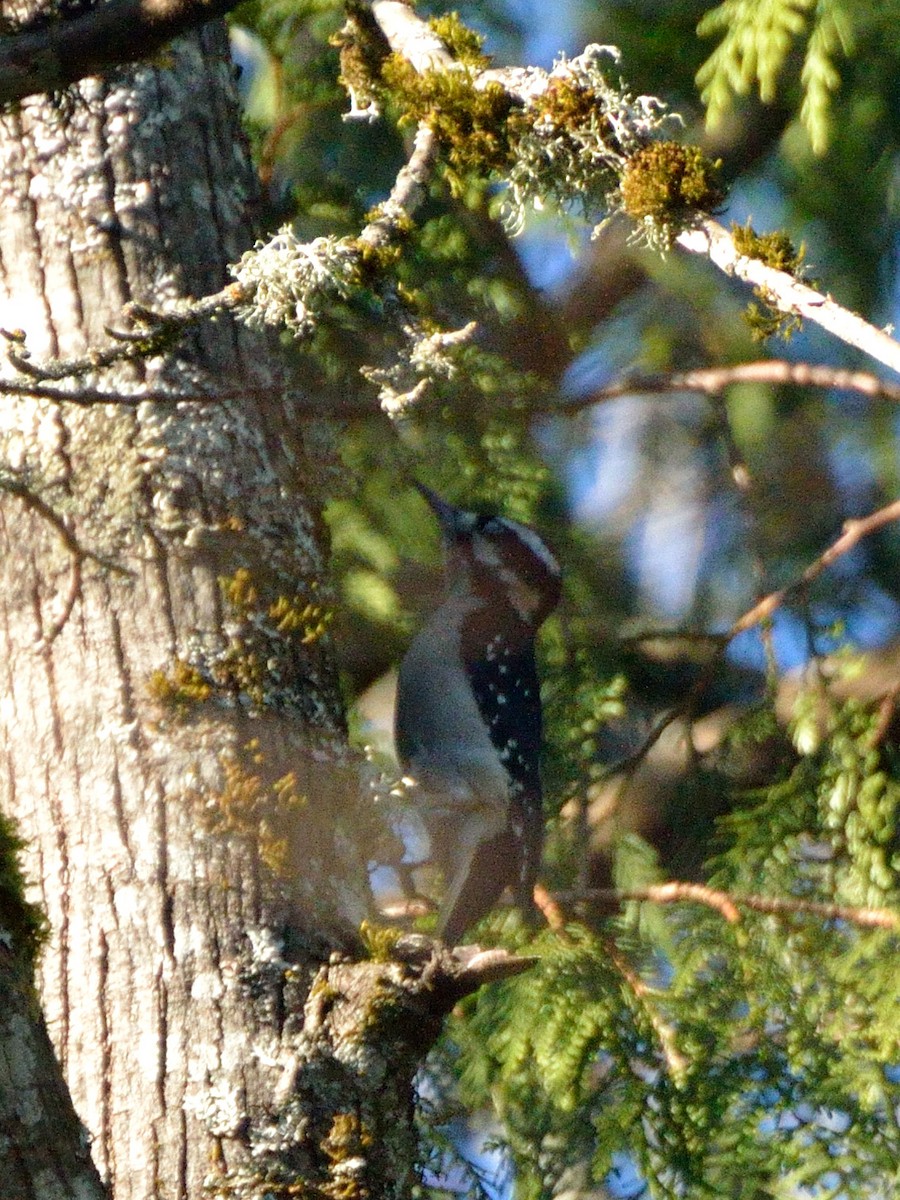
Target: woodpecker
{"points": [[468, 719]]}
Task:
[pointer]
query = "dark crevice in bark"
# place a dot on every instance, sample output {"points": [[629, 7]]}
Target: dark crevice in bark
{"points": [[123, 674], [119, 811], [106, 1055]]}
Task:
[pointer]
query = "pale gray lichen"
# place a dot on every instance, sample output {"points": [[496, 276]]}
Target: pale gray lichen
{"points": [[293, 282], [424, 357], [580, 130]]}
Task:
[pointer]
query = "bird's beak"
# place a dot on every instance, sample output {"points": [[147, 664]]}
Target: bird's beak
{"points": [[448, 515]]}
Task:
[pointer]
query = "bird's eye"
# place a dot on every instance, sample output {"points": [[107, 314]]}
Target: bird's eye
{"points": [[490, 525]]}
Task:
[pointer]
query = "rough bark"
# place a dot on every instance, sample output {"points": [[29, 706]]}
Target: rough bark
{"points": [[171, 741]]}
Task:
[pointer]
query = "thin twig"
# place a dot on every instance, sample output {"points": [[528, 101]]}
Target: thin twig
{"points": [[407, 194], [745, 487], [551, 905], [712, 381], [59, 622], [550, 909], [854, 531], [643, 993], [707, 380], [148, 333], [728, 904]]}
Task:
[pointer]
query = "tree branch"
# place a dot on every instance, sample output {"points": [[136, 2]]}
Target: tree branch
{"points": [[282, 281], [712, 381], [854, 531], [729, 903], [49, 55], [788, 294]]}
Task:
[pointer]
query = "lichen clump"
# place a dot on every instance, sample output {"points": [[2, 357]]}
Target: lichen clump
{"points": [[265, 813], [259, 664], [562, 138]]}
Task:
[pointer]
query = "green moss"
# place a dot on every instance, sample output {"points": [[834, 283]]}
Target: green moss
{"points": [[766, 320], [463, 43], [776, 250], [379, 941], [363, 48], [568, 106], [470, 122], [667, 182], [23, 926]]}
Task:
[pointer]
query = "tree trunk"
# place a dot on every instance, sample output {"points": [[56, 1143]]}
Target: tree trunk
{"points": [[171, 737], [43, 1148]]}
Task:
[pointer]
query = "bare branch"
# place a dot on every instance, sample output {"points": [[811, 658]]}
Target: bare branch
{"points": [[147, 333], [729, 903], [854, 531], [788, 294], [49, 55], [407, 194], [409, 35], [708, 380], [712, 381]]}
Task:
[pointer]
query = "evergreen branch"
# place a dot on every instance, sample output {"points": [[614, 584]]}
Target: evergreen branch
{"points": [[853, 532], [551, 907], [789, 295], [676, 1062], [728, 904]]}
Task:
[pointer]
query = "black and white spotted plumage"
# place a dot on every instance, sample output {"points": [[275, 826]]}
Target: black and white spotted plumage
{"points": [[468, 723]]}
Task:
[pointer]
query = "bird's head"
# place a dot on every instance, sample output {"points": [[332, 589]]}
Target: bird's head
{"points": [[497, 560]]}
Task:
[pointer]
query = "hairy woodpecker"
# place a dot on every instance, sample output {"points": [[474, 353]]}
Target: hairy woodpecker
{"points": [[468, 719]]}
